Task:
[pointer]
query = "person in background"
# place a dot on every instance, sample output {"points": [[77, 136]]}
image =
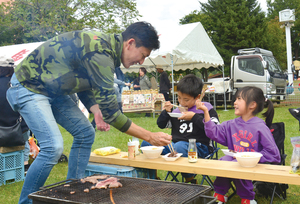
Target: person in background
{"points": [[164, 82], [246, 133], [190, 124], [136, 84], [118, 84], [81, 62], [145, 83], [8, 117]]}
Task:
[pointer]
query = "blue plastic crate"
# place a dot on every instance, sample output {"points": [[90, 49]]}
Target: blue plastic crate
{"points": [[110, 169], [11, 167], [145, 173]]}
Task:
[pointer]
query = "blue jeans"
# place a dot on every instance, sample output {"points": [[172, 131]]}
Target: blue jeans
{"points": [[182, 147], [42, 114]]}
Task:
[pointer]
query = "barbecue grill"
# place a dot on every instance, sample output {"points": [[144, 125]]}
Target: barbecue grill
{"points": [[134, 190]]}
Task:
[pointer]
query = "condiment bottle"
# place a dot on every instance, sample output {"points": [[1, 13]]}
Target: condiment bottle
{"points": [[192, 152], [131, 150], [137, 145]]}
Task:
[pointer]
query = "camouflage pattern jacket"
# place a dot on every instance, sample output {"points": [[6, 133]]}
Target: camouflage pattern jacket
{"points": [[81, 62]]}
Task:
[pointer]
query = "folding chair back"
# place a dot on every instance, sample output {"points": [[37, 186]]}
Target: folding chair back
{"points": [[267, 189], [278, 131]]}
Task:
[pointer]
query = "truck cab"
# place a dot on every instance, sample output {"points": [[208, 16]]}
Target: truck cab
{"points": [[258, 67]]}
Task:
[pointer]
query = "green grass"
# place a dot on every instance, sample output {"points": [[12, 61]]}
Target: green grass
{"points": [[10, 193]]}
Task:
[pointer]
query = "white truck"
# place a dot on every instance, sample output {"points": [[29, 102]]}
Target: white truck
{"points": [[252, 67]]}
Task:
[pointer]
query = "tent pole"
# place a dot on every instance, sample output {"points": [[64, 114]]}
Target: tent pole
{"points": [[173, 96], [224, 88]]}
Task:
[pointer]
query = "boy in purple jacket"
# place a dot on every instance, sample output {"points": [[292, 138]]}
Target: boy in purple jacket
{"points": [[190, 124], [247, 133]]}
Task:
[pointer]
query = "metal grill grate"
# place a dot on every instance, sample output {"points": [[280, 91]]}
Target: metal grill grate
{"points": [[134, 190]]}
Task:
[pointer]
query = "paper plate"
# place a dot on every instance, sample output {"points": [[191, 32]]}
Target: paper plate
{"points": [[175, 115], [227, 152], [171, 158]]}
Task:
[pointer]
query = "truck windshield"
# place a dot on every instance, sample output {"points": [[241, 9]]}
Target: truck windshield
{"points": [[251, 64], [273, 64]]}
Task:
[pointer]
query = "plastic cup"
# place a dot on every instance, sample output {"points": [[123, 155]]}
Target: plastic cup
{"points": [[131, 150]]}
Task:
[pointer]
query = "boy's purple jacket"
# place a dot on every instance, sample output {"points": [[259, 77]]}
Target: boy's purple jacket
{"points": [[241, 136]]}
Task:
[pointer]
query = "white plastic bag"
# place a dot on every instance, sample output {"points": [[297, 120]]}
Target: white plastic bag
{"points": [[83, 109], [295, 160]]}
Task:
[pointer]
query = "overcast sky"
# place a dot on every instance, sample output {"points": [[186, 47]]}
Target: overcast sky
{"points": [[163, 14]]}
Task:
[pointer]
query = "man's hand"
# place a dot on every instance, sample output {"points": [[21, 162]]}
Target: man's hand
{"points": [[100, 124], [160, 139], [154, 138]]}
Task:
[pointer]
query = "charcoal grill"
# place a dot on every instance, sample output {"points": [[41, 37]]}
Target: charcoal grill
{"points": [[134, 190]]}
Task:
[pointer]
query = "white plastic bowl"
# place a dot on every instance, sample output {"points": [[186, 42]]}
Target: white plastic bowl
{"points": [[248, 159], [152, 152]]}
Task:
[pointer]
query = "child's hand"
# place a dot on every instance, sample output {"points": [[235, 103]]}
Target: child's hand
{"points": [[168, 106], [187, 115], [200, 105]]}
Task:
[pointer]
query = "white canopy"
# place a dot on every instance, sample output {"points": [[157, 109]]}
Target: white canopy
{"points": [[185, 47], [18, 52]]}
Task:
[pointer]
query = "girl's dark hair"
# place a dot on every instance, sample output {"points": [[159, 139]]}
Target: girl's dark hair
{"points": [[252, 93], [143, 69], [191, 85], [6, 71]]}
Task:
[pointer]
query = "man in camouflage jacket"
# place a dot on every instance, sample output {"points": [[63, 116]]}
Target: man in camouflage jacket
{"points": [[81, 62]]}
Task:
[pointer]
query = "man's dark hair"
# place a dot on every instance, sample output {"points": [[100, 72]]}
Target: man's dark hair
{"points": [[191, 85], [144, 35]]}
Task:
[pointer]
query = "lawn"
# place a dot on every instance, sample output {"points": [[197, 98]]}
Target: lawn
{"points": [[10, 192]]}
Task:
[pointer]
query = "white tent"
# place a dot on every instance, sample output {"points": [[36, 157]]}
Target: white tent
{"points": [[183, 47], [18, 52]]}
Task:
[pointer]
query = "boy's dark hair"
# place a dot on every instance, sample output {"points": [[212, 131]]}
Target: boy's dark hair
{"points": [[144, 35], [252, 93], [191, 85]]}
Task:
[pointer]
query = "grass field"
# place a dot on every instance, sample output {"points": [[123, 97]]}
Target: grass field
{"points": [[10, 192]]}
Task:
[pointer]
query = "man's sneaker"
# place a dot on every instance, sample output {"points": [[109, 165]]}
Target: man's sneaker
{"points": [[221, 198], [246, 201]]}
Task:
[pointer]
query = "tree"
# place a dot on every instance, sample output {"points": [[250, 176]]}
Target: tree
{"points": [[36, 20], [276, 41], [273, 12], [237, 24], [232, 25]]}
